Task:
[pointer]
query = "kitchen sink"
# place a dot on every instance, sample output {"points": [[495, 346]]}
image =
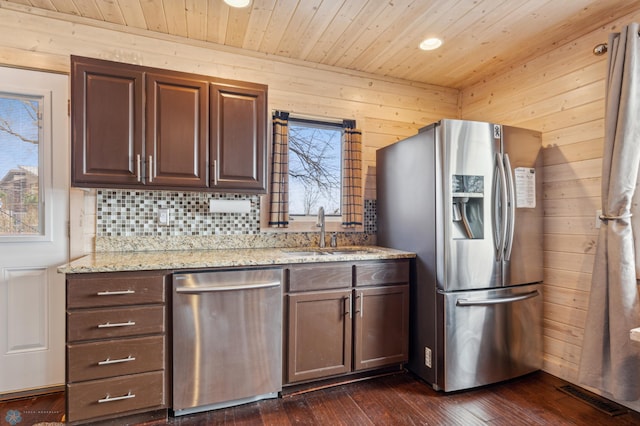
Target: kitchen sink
{"points": [[326, 251], [358, 251], [306, 252]]}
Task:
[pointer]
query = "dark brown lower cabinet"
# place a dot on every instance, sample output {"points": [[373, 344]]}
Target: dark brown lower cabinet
{"points": [[114, 396], [319, 334], [116, 345], [381, 326], [331, 332]]}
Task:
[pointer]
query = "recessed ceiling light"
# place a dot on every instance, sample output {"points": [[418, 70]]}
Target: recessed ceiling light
{"points": [[430, 43], [238, 3]]}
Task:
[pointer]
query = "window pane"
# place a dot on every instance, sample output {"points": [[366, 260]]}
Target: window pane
{"points": [[20, 145], [314, 168]]}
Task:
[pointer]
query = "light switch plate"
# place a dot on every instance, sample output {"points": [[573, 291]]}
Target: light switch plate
{"points": [[163, 216]]}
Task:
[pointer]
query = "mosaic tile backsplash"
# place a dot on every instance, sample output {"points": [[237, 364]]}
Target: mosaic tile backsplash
{"points": [[121, 213], [370, 217], [128, 220]]}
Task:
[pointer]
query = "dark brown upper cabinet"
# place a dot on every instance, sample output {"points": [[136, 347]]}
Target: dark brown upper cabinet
{"points": [[136, 127], [238, 134], [106, 122], [176, 131]]}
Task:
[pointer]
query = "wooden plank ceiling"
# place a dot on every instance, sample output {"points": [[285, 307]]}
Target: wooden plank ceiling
{"points": [[481, 37]]}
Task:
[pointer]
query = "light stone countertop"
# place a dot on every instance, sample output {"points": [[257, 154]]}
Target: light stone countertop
{"points": [[194, 259]]}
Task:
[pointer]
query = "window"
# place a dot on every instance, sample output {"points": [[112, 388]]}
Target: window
{"points": [[21, 146], [315, 163]]}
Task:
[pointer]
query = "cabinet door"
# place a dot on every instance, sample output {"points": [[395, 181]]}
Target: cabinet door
{"points": [[319, 333], [238, 137], [107, 113], [381, 316], [176, 135]]}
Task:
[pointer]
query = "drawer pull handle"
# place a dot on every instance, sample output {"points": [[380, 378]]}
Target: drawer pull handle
{"points": [[116, 361], [116, 324], [109, 398], [115, 293]]}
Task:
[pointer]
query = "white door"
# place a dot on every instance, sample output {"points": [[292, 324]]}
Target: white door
{"points": [[34, 192]]}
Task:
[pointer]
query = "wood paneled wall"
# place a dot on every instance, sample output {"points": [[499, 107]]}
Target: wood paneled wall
{"points": [[385, 109], [560, 94]]}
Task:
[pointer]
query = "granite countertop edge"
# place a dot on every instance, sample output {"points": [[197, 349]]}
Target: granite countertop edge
{"points": [[197, 259]]}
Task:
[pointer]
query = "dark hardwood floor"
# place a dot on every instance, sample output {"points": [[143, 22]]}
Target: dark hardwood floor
{"points": [[398, 399]]}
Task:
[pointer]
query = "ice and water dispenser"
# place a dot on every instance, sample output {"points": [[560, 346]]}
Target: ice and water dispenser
{"points": [[467, 203]]}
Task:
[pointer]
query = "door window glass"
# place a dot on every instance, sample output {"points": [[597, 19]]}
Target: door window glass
{"points": [[20, 165]]}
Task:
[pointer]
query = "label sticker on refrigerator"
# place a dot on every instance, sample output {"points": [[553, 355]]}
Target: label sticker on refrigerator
{"points": [[525, 187]]}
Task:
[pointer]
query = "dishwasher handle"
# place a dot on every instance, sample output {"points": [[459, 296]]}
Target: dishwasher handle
{"points": [[214, 288]]}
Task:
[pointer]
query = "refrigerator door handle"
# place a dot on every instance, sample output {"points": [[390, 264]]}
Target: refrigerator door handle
{"points": [[497, 301], [503, 208], [512, 207]]}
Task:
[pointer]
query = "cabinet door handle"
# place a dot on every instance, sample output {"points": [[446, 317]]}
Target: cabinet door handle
{"points": [[116, 324], [109, 398], [215, 172], [115, 293], [139, 168], [361, 303], [150, 167], [117, 361], [347, 305]]}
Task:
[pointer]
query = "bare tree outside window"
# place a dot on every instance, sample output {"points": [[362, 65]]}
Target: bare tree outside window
{"points": [[315, 158], [19, 162]]}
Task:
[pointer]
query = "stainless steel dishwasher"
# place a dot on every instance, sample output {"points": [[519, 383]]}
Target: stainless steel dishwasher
{"points": [[227, 338]]}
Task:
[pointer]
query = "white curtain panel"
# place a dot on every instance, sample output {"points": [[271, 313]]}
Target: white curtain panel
{"points": [[610, 361]]}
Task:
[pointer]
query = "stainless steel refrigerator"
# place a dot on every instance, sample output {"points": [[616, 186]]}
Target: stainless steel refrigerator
{"points": [[466, 197]]}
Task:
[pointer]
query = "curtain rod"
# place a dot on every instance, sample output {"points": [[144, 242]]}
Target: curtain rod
{"points": [[601, 49]]}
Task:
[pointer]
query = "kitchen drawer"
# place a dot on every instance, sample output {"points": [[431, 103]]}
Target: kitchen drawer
{"points": [[323, 276], [113, 396], [114, 289], [98, 360], [384, 272], [116, 322]]}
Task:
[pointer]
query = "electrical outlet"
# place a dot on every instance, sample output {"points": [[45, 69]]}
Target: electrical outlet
{"points": [[163, 216], [427, 357], [598, 213]]}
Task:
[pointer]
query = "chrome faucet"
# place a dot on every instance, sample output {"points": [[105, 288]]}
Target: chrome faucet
{"points": [[320, 224]]}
